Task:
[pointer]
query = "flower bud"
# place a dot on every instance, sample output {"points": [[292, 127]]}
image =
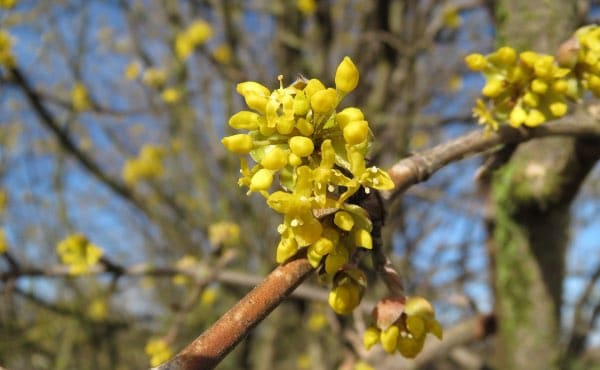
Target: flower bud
{"points": [[306, 128], [244, 120], [558, 108], [539, 86], [251, 87], [371, 337], [239, 144], [286, 249], [535, 118], [323, 101], [275, 158], [261, 180], [476, 62], [493, 88], [312, 87], [343, 220], [362, 238], [347, 291], [294, 160], [356, 132], [517, 116], [346, 76], [301, 104], [348, 115], [389, 338], [301, 146]]}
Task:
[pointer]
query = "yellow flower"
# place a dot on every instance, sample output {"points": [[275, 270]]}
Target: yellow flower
{"points": [[171, 95], [199, 32], [451, 17], [317, 321], [132, 71], [6, 57], [8, 4], [77, 252], [98, 309], [184, 46], [208, 296], [307, 7], [224, 233], [147, 165], [347, 291], [239, 143], [158, 350], [154, 77], [3, 241], [80, 98], [222, 54], [186, 263]]}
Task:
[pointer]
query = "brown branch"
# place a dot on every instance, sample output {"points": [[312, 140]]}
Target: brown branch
{"points": [[206, 351], [419, 167]]}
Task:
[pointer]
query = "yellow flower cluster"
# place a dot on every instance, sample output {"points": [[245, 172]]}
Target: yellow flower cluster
{"points": [[79, 253], [195, 35], [224, 233], [525, 89], [295, 135], [158, 350], [407, 333], [587, 64], [6, 57], [147, 165]]}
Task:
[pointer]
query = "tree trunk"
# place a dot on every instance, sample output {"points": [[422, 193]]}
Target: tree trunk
{"points": [[531, 196]]}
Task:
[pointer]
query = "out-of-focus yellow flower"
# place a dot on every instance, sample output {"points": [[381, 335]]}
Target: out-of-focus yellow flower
{"points": [[6, 57], [317, 321], [199, 32], [451, 17], [98, 309], [171, 95], [222, 54], [3, 200], [184, 47], [154, 77], [307, 7], [208, 296], [132, 71], [8, 4], [185, 263], [158, 350], [80, 97], [147, 165], [3, 241], [224, 233], [79, 253], [413, 320], [303, 361], [361, 365]]}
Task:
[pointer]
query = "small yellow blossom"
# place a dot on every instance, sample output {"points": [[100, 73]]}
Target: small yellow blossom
{"points": [[98, 309], [346, 76], [6, 57], [199, 32], [184, 46], [186, 263], [146, 166], [80, 97], [224, 233], [171, 95], [158, 350], [307, 7], [208, 296], [154, 77], [132, 71], [317, 321], [8, 4], [222, 54], [3, 241], [451, 17], [77, 252]]}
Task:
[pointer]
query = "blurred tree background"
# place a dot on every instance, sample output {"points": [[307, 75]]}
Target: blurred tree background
{"points": [[111, 117]]}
